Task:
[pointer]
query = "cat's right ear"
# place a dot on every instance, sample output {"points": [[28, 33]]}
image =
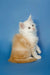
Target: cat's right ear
{"points": [[30, 18], [21, 25]]}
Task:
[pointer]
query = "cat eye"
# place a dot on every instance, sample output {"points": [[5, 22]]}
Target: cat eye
{"points": [[29, 27], [32, 25]]}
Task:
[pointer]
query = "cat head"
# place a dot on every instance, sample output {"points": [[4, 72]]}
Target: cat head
{"points": [[27, 26]]}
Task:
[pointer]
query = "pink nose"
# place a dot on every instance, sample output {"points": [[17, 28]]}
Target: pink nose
{"points": [[33, 28]]}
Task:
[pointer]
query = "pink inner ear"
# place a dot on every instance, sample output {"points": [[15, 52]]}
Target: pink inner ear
{"points": [[22, 25], [30, 19]]}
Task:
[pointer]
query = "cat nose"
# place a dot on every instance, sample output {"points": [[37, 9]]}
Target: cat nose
{"points": [[33, 28]]}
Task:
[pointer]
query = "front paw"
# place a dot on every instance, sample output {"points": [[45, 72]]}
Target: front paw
{"points": [[37, 57], [39, 51]]}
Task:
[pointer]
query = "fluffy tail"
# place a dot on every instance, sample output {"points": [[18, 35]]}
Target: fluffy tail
{"points": [[27, 60]]}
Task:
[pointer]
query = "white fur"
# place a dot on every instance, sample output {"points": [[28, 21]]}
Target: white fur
{"points": [[31, 35]]}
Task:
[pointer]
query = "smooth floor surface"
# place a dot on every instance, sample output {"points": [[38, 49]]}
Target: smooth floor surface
{"points": [[40, 67]]}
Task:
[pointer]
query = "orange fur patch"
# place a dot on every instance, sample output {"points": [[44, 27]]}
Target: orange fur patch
{"points": [[21, 50]]}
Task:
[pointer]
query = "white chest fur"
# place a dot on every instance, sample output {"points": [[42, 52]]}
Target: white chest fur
{"points": [[31, 37]]}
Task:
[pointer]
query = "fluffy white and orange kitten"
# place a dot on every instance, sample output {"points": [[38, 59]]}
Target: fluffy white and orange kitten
{"points": [[24, 47], [29, 31]]}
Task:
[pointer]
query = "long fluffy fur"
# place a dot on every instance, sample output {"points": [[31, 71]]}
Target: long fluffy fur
{"points": [[24, 43]]}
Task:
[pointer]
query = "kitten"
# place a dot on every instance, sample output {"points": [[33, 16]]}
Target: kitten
{"points": [[25, 43], [30, 32]]}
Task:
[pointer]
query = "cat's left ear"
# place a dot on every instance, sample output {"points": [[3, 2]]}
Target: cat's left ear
{"points": [[30, 18], [21, 25]]}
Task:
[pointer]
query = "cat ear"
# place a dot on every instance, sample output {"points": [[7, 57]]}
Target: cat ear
{"points": [[30, 18], [21, 25]]}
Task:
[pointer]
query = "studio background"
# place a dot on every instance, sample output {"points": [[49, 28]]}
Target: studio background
{"points": [[11, 13]]}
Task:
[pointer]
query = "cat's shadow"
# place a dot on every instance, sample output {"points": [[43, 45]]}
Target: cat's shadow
{"points": [[10, 49]]}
